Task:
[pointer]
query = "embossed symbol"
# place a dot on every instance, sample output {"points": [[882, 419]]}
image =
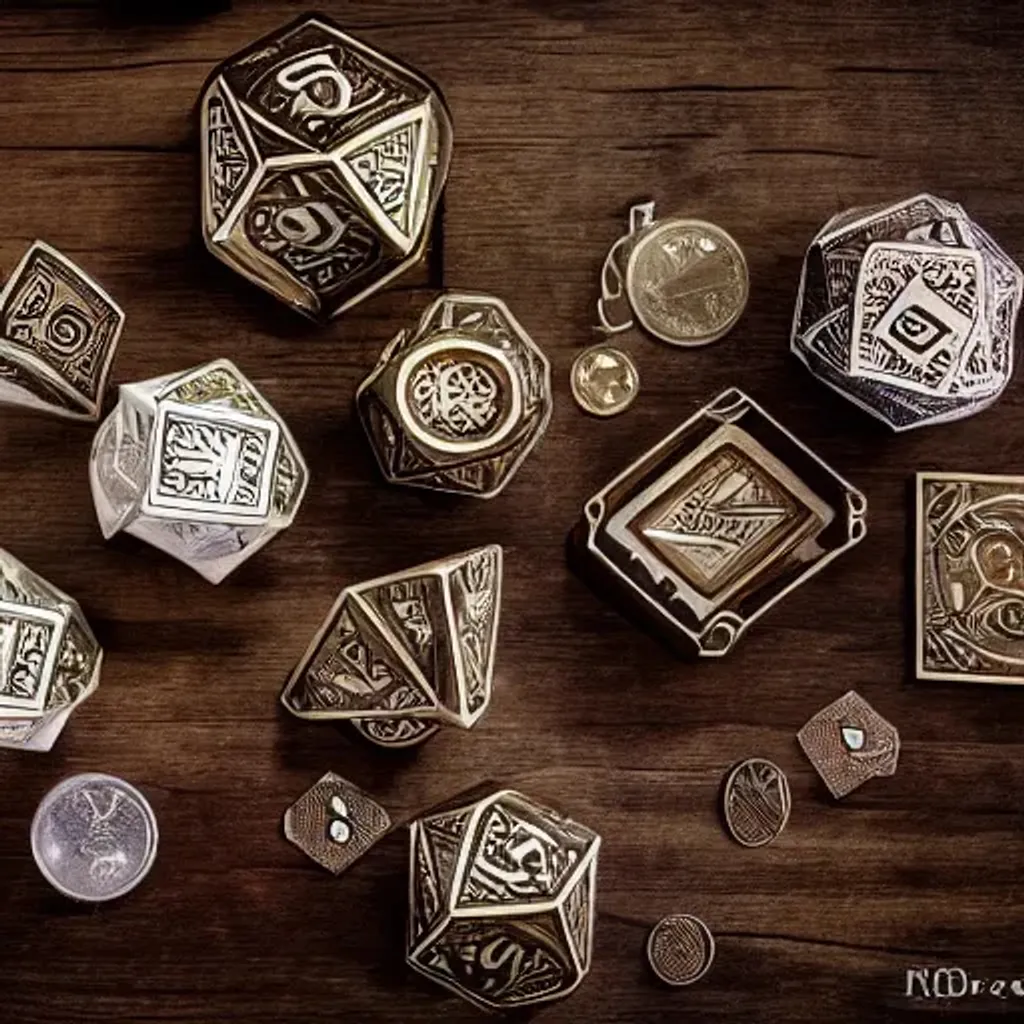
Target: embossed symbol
{"points": [[756, 802], [228, 163], [456, 398], [102, 845], [27, 655], [385, 167]]}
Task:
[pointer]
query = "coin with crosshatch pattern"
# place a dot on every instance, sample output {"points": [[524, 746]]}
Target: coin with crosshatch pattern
{"points": [[680, 949], [756, 802]]}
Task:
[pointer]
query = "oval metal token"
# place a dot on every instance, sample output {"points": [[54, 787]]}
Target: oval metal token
{"points": [[680, 949], [756, 802]]}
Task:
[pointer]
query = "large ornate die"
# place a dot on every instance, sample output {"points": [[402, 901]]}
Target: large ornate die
{"points": [[458, 403], [717, 523], [501, 901], [908, 311], [58, 335], [402, 654], [49, 659], [323, 164], [199, 465]]}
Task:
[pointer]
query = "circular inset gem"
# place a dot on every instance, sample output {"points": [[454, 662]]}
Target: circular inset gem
{"points": [[756, 802], [604, 380], [680, 949], [94, 837], [687, 282]]}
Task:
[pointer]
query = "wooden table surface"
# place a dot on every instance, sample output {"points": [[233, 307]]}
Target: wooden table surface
{"points": [[764, 117]]}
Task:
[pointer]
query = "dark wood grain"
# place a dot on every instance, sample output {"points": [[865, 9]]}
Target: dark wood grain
{"points": [[764, 117]]}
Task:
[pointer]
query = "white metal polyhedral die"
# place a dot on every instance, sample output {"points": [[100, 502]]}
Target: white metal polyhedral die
{"points": [[49, 659], [323, 165], [501, 901], [908, 311], [199, 465]]}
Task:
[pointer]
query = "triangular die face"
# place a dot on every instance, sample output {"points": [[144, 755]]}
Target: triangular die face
{"points": [[518, 856], [475, 589], [230, 160], [352, 673], [444, 834]]}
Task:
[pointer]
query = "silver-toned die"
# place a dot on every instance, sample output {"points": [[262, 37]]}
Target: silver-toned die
{"points": [[501, 901], [458, 403], [323, 165], [402, 654], [908, 311], [716, 524], [199, 465], [49, 659], [58, 335]]}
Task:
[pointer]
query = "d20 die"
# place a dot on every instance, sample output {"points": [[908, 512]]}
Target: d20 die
{"points": [[200, 466], [718, 522], [58, 335], [323, 165], [49, 659], [908, 310], [403, 653], [970, 578], [457, 404], [501, 901]]}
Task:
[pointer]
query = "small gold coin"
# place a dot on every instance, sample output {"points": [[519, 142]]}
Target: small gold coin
{"points": [[604, 380], [680, 949], [687, 282]]}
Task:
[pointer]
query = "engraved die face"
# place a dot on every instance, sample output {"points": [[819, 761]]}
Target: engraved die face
{"points": [[58, 335], [908, 311], [29, 644], [199, 465], [502, 901], [324, 162], [710, 528], [458, 404]]}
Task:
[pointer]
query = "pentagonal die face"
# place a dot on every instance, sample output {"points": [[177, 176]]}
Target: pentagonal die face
{"points": [[199, 465], [502, 901], [49, 659], [458, 404], [323, 164], [909, 310], [58, 334], [416, 646]]}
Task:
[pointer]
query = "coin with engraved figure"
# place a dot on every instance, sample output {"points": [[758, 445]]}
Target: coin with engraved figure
{"points": [[680, 949], [94, 837], [604, 380], [687, 282]]}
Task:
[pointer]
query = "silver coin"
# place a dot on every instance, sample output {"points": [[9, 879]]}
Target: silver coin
{"points": [[687, 282], [756, 802], [680, 949], [604, 380], [94, 837]]}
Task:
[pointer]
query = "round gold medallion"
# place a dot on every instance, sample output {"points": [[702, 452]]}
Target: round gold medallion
{"points": [[605, 380]]}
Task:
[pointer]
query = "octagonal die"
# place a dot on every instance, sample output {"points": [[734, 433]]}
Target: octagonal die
{"points": [[501, 901], [49, 659], [323, 165], [199, 465], [458, 403]]}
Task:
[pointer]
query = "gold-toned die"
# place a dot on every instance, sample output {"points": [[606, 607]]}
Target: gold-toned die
{"points": [[335, 823], [718, 522], [970, 578], [848, 743]]}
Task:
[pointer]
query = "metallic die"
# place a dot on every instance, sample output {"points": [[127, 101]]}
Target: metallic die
{"points": [[908, 311], [49, 659], [323, 165], [407, 651], [718, 522], [457, 404], [58, 335], [501, 901], [335, 823], [199, 465], [970, 578]]}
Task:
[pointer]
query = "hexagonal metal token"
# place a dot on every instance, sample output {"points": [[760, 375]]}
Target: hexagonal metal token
{"points": [[335, 823]]}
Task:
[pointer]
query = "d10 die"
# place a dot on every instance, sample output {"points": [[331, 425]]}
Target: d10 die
{"points": [[58, 334], [501, 898], [908, 311], [402, 654], [457, 404], [323, 164], [49, 659], [200, 466]]}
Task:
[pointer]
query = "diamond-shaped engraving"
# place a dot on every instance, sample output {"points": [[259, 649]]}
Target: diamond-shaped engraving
{"points": [[502, 907]]}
